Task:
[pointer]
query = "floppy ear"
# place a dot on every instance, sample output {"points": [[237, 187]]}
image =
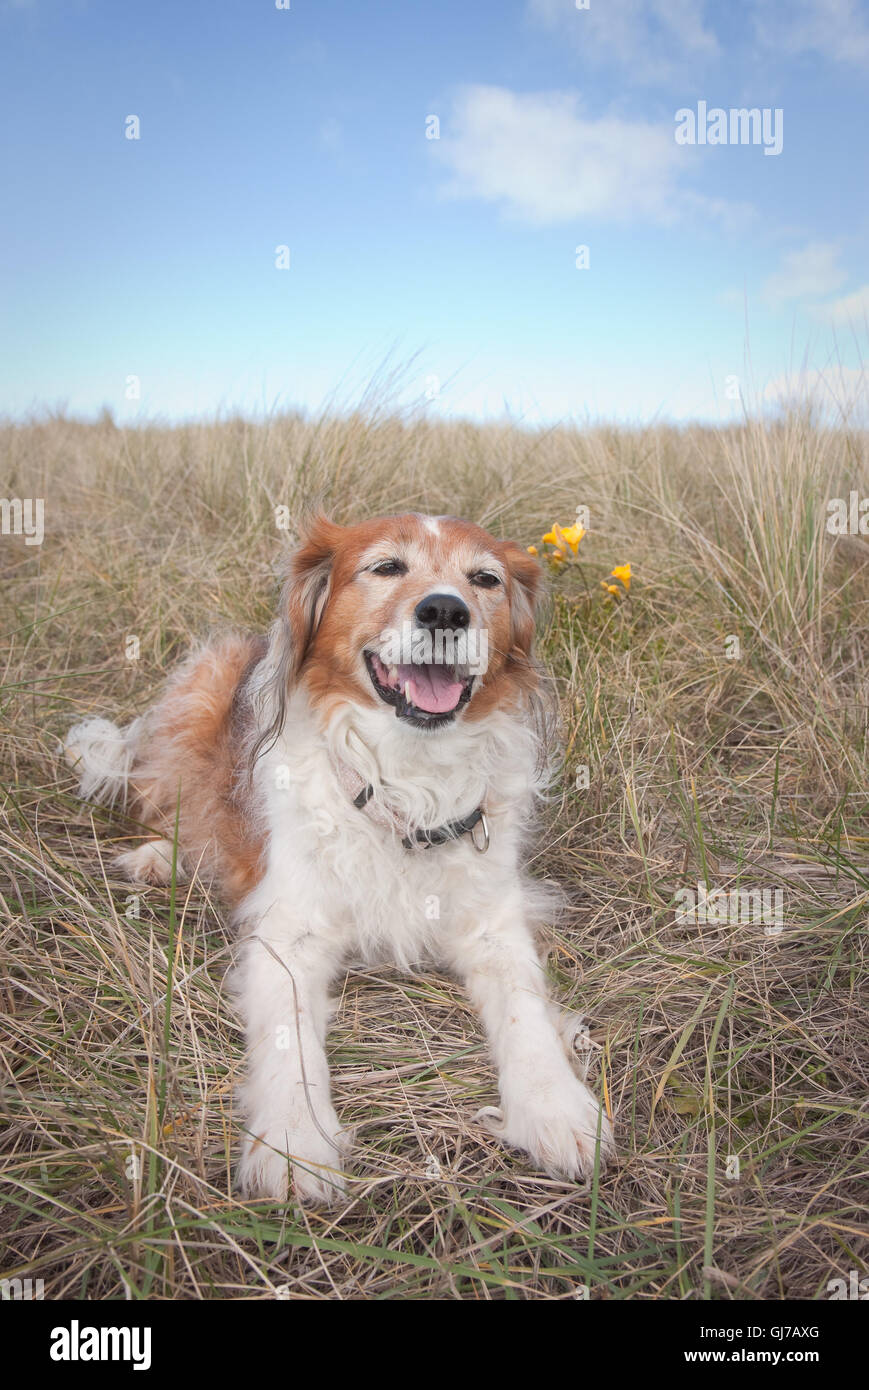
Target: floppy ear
{"points": [[526, 579], [303, 601], [306, 592]]}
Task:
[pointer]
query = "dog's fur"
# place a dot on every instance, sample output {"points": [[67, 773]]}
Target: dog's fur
{"points": [[258, 746]]}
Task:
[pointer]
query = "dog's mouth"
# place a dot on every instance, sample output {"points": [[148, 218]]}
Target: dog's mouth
{"points": [[427, 694]]}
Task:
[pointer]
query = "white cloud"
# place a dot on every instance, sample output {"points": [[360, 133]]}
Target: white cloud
{"points": [[651, 38], [541, 159], [836, 393], [809, 275], [810, 272], [837, 29], [850, 309]]}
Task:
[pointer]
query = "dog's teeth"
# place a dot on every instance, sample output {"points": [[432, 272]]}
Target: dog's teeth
{"points": [[407, 692], [392, 673]]}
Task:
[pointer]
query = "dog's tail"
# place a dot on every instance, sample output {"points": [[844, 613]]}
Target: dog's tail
{"points": [[102, 755]]}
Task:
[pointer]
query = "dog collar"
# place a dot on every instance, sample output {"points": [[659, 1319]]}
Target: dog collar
{"points": [[361, 793]]}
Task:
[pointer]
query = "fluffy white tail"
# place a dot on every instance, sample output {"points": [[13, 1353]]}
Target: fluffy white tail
{"points": [[102, 755]]}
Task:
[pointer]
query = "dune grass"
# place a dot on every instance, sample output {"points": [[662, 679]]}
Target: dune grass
{"points": [[733, 1058]]}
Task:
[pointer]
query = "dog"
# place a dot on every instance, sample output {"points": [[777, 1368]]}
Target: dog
{"points": [[361, 784]]}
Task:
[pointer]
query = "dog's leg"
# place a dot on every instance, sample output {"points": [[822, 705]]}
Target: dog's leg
{"points": [[152, 863], [290, 1122], [545, 1108]]}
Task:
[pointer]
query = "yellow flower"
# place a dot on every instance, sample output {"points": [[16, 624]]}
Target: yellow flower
{"points": [[555, 537], [573, 535], [532, 550], [564, 539], [622, 572]]}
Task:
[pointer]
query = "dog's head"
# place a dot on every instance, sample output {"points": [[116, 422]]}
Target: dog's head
{"points": [[429, 620]]}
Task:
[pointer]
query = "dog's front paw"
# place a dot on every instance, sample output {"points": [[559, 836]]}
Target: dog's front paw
{"points": [[555, 1122], [275, 1154], [151, 863]]}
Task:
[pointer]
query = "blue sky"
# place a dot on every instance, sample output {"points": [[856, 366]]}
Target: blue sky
{"points": [[307, 128]]}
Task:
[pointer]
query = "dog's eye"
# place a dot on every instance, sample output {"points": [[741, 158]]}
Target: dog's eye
{"points": [[484, 579], [389, 567]]}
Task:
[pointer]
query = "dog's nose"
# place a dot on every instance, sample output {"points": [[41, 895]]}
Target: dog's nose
{"points": [[442, 611]]}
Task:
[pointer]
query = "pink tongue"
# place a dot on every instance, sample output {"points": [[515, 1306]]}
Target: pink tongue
{"points": [[430, 688]]}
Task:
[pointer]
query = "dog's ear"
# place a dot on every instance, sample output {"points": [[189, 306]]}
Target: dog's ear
{"points": [[303, 602], [526, 579], [307, 589]]}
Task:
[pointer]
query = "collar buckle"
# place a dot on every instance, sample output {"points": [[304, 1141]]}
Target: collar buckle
{"points": [[484, 826]]}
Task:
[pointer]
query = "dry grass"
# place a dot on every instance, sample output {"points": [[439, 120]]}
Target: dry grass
{"points": [[713, 1040]]}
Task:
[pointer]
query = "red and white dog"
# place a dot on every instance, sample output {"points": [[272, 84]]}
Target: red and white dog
{"points": [[361, 784]]}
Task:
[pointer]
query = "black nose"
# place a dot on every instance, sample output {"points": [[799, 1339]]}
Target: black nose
{"points": [[444, 611]]}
